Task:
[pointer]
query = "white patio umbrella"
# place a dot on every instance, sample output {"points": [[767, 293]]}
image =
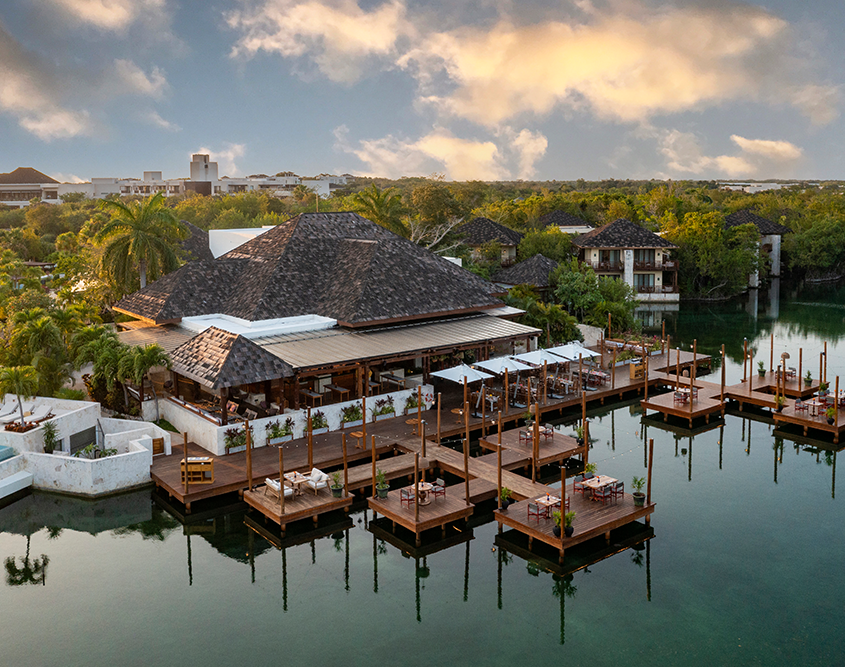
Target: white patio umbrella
{"points": [[570, 351], [503, 365], [463, 373], [537, 357]]}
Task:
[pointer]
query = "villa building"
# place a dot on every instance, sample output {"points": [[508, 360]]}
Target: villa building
{"points": [[534, 271], [317, 312], [628, 252], [771, 234], [565, 222], [479, 232]]}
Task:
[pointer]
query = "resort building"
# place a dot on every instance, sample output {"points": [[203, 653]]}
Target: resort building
{"points": [[317, 312], [534, 271], [565, 222], [481, 232], [626, 251], [24, 184], [771, 234]]}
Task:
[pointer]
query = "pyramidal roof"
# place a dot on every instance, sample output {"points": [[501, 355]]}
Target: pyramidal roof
{"points": [[621, 233], [219, 359], [23, 175], [337, 265], [532, 271], [764, 226], [563, 219], [479, 231]]}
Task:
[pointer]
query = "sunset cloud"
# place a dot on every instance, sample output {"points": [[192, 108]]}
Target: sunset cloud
{"points": [[115, 15]]}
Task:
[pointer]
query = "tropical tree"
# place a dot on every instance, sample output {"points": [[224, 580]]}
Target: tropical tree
{"points": [[82, 341], [20, 381], [139, 234], [143, 359], [30, 572], [384, 207]]}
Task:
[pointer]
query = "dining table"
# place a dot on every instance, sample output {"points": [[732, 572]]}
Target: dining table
{"points": [[424, 489], [547, 502], [598, 481]]}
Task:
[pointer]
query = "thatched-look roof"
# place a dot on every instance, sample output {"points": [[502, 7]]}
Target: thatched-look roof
{"points": [[479, 231], [219, 359], [560, 218], [621, 233], [337, 265], [764, 226], [24, 175], [532, 271]]}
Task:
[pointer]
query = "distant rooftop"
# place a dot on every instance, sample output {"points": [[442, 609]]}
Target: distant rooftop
{"points": [[23, 175]]}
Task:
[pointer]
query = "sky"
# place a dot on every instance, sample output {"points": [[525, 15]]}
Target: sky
{"points": [[478, 89]]}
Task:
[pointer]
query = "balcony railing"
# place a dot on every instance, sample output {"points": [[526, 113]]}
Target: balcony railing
{"points": [[646, 265], [670, 265], [608, 266], [656, 289]]}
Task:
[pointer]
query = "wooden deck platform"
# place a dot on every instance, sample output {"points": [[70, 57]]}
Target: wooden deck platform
{"points": [[304, 506], [552, 450], [393, 467], [592, 519], [437, 514], [382, 529]]}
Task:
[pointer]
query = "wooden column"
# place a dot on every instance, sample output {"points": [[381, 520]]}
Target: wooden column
{"points": [[281, 482], [499, 464], [722, 387], [800, 368], [836, 403], [677, 368], [545, 383], [248, 454], [466, 400], [507, 393], [466, 421], [296, 391], [466, 470], [438, 417], [366, 381], [268, 393], [645, 385], [185, 448], [586, 427], [310, 441], [772, 354], [825, 361], [345, 466], [744, 359], [417, 490], [581, 370], [535, 450], [648, 482], [821, 368], [364, 422], [663, 337], [224, 409], [613, 371], [483, 410], [562, 504]]}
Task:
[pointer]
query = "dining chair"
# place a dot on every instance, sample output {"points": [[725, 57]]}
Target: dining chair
{"points": [[577, 485], [535, 510], [618, 490], [603, 493], [406, 496], [801, 406], [438, 488]]}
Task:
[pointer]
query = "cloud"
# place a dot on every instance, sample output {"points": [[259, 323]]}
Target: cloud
{"points": [[67, 178], [440, 150], [337, 34], [114, 15], [28, 92], [765, 157], [132, 79], [225, 157], [152, 117]]}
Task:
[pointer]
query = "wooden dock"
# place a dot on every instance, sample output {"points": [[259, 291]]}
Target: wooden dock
{"points": [[555, 449], [436, 514], [592, 519], [303, 506]]}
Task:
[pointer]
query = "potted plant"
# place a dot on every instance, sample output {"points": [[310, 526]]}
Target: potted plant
{"points": [[411, 403], [567, 523], [780, 401], [808, 378], [831, 415], [761, 369], [382, 487], [579, 435], [351, 415], [319, 423], [556, 518], [337, 484], [51, 437], [589, 470], [505, 495], [279, 432], [384, 409], [639, 497], [235, 439], [822, 388]]}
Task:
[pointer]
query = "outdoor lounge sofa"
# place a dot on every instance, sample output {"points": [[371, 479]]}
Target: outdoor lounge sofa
{"points": [[318, 480]]}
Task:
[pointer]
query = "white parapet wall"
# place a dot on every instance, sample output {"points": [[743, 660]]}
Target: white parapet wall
{"points": [[211, 437]]}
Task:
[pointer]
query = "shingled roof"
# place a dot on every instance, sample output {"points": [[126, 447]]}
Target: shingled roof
{"points": [[765, 227], [23, 175], [560, 218], [337, 265], [483, 230], [621, 233], [532, 271], [219, 359], [196, 245]]}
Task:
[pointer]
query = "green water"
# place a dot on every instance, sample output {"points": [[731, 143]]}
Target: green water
{"points": [[745, 566]]}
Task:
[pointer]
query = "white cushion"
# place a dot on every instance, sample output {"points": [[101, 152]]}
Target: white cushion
{"points": [[272, 483]]}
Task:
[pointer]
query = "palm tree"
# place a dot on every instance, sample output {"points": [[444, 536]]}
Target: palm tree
{"points": [[384, 207], [85, 337], [43, 336], [31, 571], [67, 321], [141, 234], [145, 358], [20, 381]]}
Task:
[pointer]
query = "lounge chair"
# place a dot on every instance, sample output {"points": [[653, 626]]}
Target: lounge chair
{"points": [[274, 486], [41, 414], [318, 480], [16, 414]]}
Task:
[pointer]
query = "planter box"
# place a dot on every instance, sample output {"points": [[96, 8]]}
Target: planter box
{"points": [[318, 431], [351, 424], [389, 415], [412, 411], [235, 450], [279, 441]]}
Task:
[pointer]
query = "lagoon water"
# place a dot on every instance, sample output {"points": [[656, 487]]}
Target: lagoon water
{"points": [[745, 566]]}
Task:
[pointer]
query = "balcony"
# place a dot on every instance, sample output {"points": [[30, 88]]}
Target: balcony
{"points": [[609, 267], [669, 265], [656, 289], [650, 265]]}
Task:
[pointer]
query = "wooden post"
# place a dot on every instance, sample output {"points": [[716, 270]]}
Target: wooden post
{"points": [[825, 361], [821, 368], [224, 404], [373, 449], [750, 369], [772, 354], [507, 393], [648, 483], [609, 334], [586, 427], [677, 368], [483, 410], [466, 421], [185, 447], [438, 417], [613, 371], [800, 368], [465, 389], [281, 482], [419, 408], [345, 466], [663, 337], [535, 453], [645, 375], [545, 381], [744, 359], [422, 440], [836, 404], [722, 388], [310, 441], [364, 422], [417, 489], [581, 370], [583, 408], [562, 502], [466, 469], [248, 455], [499, 464]]}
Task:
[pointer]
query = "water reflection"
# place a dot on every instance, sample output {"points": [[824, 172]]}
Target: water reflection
{"points": [[31, 571]]}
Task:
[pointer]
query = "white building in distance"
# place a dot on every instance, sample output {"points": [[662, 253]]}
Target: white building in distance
{"points": [[19, 187]]}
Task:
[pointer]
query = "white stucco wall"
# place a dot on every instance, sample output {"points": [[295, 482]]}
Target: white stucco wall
{"points": [[80, 416]]}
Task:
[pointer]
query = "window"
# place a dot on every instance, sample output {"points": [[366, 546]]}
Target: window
{"points": [[643, 280]]}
